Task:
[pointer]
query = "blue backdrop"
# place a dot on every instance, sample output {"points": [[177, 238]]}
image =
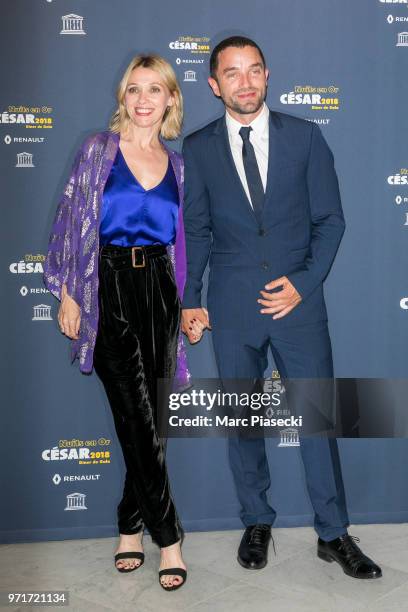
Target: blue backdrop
{"points": [[62, 471]]}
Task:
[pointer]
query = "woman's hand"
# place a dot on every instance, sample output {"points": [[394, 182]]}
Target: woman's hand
{"points": [[69, 315], [193, 322]]}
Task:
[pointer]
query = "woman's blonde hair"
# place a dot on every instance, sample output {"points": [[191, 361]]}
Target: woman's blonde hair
{"points": [[173, 116]]}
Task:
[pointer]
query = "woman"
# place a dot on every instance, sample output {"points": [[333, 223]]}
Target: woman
{"points": [[116, 260]]}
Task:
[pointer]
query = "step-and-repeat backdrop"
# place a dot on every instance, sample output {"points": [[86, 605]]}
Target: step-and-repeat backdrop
{"points": [[340, 64]]}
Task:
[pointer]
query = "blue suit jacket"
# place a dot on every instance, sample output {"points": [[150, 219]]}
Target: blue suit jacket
{"points": [[298, 235]]}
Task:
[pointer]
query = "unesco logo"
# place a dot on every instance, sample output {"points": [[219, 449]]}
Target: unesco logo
{"points": [[24, 160], [76, 501], [72, 24]]}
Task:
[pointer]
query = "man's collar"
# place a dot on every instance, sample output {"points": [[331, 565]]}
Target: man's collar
{"points": [[260, 124]]}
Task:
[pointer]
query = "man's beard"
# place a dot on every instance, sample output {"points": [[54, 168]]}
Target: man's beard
{"points": [[246, 108]]}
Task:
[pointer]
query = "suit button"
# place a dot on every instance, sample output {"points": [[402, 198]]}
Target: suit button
{"points": [[261, 232], [265, 265]]}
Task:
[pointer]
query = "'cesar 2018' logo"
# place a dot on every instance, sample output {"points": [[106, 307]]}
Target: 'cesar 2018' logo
{"points": [[317, 98]]}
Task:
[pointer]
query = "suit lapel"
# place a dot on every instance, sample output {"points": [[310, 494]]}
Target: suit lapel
{"points": [[226, 162], [273, 154]]}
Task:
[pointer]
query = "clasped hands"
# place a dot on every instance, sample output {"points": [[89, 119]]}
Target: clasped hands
{"points": [[277, 303], [194, 320]]}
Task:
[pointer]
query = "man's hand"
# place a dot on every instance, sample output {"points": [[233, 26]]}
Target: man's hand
{"points": [[193, 323], [69, 315], [279, 303]]}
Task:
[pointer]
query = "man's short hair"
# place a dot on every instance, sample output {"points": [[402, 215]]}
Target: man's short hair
{"points": [[232, 41]]}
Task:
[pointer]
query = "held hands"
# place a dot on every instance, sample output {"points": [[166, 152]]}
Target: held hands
{"points": [[69, 315], [193, 323], [279, 303]]}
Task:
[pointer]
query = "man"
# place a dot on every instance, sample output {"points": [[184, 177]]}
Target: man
{"points": [[262, 202]]}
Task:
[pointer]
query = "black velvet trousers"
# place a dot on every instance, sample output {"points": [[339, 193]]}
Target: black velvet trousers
{"points": [[139, 318]]}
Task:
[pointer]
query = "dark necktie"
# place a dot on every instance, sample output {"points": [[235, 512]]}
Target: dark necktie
{"points": [[252, 171]]}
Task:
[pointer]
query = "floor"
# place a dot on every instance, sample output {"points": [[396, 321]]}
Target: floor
{"points": [[294, 580]]}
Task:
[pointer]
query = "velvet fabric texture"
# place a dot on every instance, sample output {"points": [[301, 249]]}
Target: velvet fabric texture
{"points": [[136, 344]]}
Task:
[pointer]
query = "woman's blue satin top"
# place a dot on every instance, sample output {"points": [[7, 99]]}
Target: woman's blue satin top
{"points": [[132, 215]]}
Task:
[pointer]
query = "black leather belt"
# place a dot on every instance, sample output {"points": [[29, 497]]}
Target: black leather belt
{"points": [[131, 257]]}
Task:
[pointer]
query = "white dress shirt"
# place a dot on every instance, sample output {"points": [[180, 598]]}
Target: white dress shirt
{"points": [[259, 137]]}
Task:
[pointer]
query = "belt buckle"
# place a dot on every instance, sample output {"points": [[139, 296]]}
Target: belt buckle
{"points": [[134, 264]]}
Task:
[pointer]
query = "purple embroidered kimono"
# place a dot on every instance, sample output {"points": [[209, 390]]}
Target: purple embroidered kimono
{"points": [[73, 249]]}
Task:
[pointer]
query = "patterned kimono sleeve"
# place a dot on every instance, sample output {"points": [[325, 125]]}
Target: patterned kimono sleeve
{"points": [[61, 263], [182, 377], [177, 253]]}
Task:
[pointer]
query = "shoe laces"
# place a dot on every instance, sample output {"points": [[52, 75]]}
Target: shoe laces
{"points": [[257, 536], [351, 551]]}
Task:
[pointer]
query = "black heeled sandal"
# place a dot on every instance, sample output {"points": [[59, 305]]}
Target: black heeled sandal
{"points": [[174, 571], [129, 555]]}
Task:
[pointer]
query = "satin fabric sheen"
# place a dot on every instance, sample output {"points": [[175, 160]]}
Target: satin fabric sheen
{"points": [[132, 215], [73, 246], [136, 344]]}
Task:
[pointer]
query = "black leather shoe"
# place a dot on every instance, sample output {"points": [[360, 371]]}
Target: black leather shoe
{"points": [[253, 550], [345, 551]]}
